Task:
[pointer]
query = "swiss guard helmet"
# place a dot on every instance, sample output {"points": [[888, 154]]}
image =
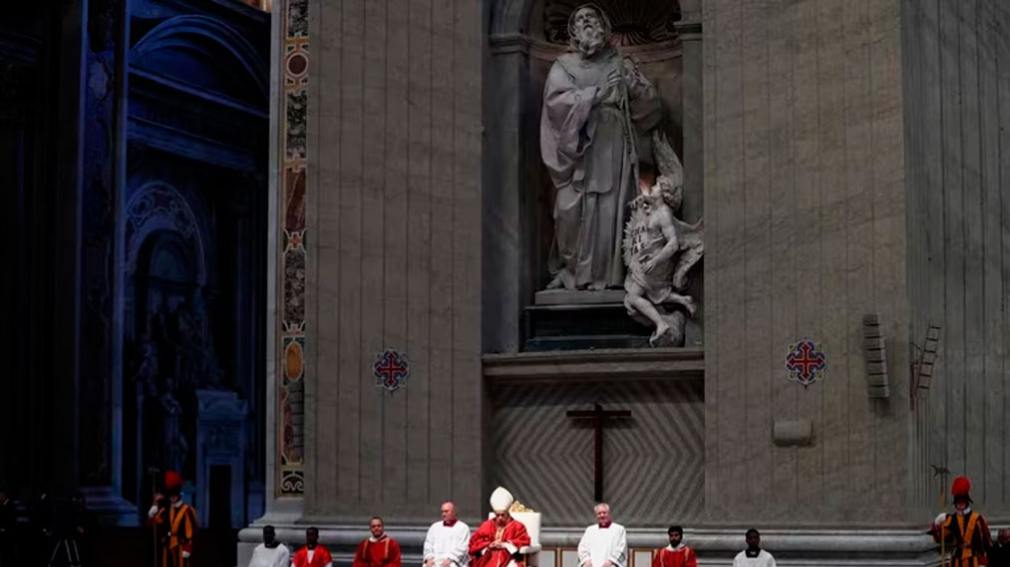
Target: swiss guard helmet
{"points": [[961, 488], [173, 482]]}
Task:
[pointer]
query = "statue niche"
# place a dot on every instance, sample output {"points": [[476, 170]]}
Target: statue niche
{"points": [[173, 354], [615, 242]]}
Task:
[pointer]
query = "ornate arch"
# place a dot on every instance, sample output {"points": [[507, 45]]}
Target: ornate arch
{"points": [[518, 190], [217, 46], [636, 23], [510, 16], [633, 23], [155, 207]]}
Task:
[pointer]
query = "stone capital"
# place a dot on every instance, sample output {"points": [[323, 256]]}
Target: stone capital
{"points": [[510, 43]]}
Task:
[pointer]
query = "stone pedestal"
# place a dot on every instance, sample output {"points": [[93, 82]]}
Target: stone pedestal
{"points": [[581, 297], [562, 319], [574, 326]]}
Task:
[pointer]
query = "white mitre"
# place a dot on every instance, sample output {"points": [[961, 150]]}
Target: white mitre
{"points": [[501, 500]]}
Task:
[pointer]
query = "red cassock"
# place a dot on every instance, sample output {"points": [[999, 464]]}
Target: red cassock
{"points": [[681, 557], [319, 559], [382, 553], [513, 533]]}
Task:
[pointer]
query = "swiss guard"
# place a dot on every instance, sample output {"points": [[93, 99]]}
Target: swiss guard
{"points": [[965, 532], [175, 523]]}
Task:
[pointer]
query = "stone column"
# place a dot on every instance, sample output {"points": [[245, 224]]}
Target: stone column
{"points": [[109, 499], [288, 38], [61, 464], [693, 158], [507, 230], [689, 30]]}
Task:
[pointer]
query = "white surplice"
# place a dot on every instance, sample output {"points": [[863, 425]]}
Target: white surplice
{"points": [[264, 556], [448, 542], [599, 545]]}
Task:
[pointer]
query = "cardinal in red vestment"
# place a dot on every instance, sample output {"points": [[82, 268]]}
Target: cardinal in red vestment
{"points": [[499, 539]]}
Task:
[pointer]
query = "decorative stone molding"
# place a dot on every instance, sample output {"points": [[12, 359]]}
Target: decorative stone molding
{"points": [[293, 369], [510, 43], [595, 365], [688, 30]]}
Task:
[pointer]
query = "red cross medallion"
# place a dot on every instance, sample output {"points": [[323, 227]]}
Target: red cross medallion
{"points": [[391, 370], [804, 362]]}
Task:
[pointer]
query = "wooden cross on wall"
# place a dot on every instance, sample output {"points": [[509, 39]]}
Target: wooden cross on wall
{"points": [[599, 416]]}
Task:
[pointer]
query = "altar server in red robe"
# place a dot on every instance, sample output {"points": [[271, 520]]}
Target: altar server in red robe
{"points": [[379, 550], [498, 540], [676, 554], [314, 554]]}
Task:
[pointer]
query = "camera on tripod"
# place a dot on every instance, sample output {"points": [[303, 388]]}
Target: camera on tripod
{"points": [[68, 524]]}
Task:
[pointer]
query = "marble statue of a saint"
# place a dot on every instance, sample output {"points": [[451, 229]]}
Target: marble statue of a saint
{"points": [[659, 250], [598, 111], [196, 364], [174, 444], [145, 377]]}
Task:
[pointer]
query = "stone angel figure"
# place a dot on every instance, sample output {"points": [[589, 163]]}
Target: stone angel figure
{"points": [[659, 250]]}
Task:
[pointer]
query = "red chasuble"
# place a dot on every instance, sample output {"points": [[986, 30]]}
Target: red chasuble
{"points": [[513, 533], [683, 556], [382, 553], [319, 559]]}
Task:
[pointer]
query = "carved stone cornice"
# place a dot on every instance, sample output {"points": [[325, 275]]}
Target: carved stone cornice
{"points": [[510, 43], [595, 365], [689, 30]]}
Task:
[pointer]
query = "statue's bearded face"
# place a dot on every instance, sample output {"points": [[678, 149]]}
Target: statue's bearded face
{"points": [[589, 32]]}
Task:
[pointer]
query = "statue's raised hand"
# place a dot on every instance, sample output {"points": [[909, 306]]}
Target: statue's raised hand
{"points": [[610, 89]]}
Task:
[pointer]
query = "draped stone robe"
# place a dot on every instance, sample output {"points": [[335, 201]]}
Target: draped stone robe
{"points": [[590, 151]]}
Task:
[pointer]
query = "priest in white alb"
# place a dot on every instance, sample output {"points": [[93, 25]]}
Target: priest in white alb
{"points": [[447, 543], [604, 544]]}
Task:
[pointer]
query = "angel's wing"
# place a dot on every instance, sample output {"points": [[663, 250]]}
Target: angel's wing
{"points": [[671, 171], [666, 159], [692, 248]]}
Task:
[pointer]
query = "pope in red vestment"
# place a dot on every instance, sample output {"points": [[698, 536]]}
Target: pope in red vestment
{"points": [[380, 550], [498, 539]]}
